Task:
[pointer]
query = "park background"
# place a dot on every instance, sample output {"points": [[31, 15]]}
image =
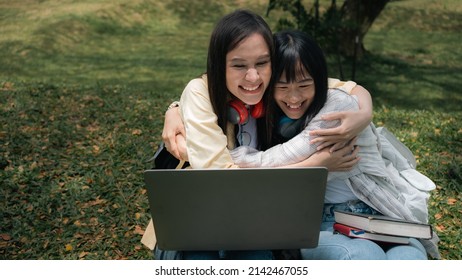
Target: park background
{"points": [[84, 86]]}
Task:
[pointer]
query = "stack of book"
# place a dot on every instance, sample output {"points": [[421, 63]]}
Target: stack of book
{"points": [[379, 228]]}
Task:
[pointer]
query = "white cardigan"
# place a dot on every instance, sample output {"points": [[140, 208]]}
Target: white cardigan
{"points": [[383, 178]]}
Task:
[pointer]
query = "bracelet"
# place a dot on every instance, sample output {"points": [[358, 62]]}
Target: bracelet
{"points": [[173, 105]]}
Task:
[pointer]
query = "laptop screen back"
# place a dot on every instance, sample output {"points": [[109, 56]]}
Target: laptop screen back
{"points": [[236, 209]]}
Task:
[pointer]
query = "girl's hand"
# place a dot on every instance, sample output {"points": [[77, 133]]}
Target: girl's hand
{"points": [[173, 128], [343, 159]]}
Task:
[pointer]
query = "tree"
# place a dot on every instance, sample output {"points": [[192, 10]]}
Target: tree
{"points": [[361, 14], [340, 32]]}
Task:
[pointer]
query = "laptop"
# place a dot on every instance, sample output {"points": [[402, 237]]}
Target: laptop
{"points": [[236, 209]]}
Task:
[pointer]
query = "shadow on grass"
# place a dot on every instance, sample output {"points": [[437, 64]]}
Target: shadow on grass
{"points": [[406, 85]]}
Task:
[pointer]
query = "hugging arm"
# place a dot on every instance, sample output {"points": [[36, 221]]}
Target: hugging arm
{"points": [[173, 134], [206, 144], [339, 160], [351, 122], [296, 150]]}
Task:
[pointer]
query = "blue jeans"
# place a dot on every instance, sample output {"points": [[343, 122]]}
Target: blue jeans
{"points": [[212, 255], [340, 247]]}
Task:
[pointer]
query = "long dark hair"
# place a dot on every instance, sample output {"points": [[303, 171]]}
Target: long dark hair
{"points": [[228, 33], [295, 49]]}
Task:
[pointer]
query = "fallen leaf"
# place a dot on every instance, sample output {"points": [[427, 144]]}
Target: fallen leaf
{"points": [[82, 255], [33, 165], [79, 235], [69, 247], [440, 228], [92, 128], [138, 230], [97, 201], [94, 221], [7, 86], [452, 201], [438, 216], [136, 132], [5, 236]]}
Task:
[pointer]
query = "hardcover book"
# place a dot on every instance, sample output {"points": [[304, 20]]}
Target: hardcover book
{"points": [[359, 233], [383, 224]]}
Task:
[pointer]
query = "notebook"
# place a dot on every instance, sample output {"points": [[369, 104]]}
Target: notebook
{"points": [[236, 209]]}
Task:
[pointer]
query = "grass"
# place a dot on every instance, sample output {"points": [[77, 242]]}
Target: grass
{"points": [[83, 89]]}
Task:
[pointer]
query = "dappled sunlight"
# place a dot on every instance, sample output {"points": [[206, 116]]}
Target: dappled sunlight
{"points": [[84, 86]]}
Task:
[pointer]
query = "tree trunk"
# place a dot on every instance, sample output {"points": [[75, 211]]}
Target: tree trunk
{"points": [[357, 16]]}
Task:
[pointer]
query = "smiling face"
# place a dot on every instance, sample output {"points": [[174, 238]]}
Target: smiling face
{"points": [[294, 98], [248, 69]]}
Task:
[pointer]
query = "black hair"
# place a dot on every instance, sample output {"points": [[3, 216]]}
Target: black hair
{"points": [[228, 33], [293, 50]]}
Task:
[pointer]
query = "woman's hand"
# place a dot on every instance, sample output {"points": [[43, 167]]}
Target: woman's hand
{"points": [[181, 147], [351, 123], [173, 134], [343, 159]]}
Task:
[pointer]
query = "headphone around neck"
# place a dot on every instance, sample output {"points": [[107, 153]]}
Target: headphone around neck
{"points": [[238, 113], [288, 127]]}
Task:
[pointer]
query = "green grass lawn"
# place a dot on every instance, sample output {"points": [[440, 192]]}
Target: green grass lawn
{"points": [[84, 86]]}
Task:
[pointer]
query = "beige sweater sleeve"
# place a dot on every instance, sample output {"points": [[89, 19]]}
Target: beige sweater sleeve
{"points": [[206, 144], [149, 237], [345, 86]]}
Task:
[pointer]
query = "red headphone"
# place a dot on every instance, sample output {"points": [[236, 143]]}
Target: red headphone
{"points": [[239, 114]]}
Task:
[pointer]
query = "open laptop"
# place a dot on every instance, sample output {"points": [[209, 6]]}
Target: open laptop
{"points": [[236, 209]]}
